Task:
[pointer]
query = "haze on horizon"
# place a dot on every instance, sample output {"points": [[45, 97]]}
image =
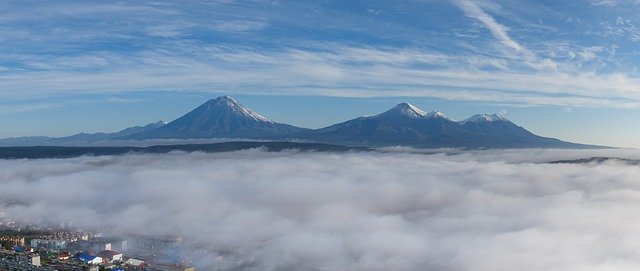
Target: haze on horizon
{"points": [[567, 70]]}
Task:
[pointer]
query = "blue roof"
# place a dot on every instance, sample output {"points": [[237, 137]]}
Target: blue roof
{"points": [[86, 257]]}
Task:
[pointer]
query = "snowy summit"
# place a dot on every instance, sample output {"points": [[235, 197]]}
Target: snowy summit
{"points": [[405, 109], [484, 118], [237, 108]]}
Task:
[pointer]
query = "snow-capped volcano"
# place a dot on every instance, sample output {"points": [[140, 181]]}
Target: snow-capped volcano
{"points": [[223, 117], [235, 107], [406, 110], [401, 124], [494, 130], [484, 118]]}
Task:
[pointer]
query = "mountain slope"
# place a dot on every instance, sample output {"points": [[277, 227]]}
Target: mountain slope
{"points": [[113, 136], [408, 125], [496, 131], [79, 139], [222, 117], [403, 124]]}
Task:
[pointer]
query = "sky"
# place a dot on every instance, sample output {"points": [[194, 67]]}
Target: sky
{"points": [[564, 69]]}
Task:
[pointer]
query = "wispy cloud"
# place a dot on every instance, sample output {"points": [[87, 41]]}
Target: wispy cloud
{"points": [[11, 109], [78, 48], [333, 71], [612, 3], [239, 26], [500, 32]]}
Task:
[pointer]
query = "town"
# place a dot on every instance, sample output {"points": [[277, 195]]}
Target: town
{"points": [[45, 248]]}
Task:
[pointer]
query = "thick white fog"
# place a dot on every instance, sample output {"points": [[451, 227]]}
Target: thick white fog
{"points": [[481, 210]]}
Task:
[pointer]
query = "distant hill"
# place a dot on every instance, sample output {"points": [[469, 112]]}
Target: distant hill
{"points": [[87, 139], [40, 152], [402, 125]]}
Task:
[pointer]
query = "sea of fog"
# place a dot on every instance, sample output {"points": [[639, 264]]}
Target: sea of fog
{"points": [[398, 209]]}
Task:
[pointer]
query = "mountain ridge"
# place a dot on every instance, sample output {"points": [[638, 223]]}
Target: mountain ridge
{"points": [[404, 124]]}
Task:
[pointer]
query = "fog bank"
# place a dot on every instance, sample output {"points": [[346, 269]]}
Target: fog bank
{"points": [[479, 210]]}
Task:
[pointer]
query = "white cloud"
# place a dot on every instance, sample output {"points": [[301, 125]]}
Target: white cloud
{"points": [[590, 53], [56, 58], [335, 70], [483, 210], [500, 32], [239, 26], [612, 3]]}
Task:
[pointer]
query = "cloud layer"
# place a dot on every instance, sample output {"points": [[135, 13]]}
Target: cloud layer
{"points": [[488, 210], [525, 53]]}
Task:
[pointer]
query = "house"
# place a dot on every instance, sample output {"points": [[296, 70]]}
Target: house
{"points": [[92, 247], [63, 256], [31, 259], [135, 263], [111, 256], [90, 259]]}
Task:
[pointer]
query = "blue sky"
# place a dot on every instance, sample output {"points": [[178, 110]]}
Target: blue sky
{"points": [[566, 69]]}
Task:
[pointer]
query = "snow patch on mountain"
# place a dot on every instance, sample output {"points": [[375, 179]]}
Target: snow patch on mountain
{"points": [[240, 110], [437, 115], [406, 110], [483, 118]]}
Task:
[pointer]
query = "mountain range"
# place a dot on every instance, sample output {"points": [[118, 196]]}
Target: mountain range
{"points": [[402, 125]]}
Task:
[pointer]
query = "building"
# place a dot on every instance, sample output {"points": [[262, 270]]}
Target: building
{"points": [[93, 246], [135, 263], [90, 259], [111, 256], [35, 260], [30, 259], [48, 244], [11, 261], [13, 240], [64, 256]]}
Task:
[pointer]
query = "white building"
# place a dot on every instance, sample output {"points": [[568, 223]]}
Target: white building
{"points": [[111, 256]]}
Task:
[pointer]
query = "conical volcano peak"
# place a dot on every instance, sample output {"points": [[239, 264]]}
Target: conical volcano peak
{"points": [[222, 117], [224, 100], [407, 110], [227, 103]]}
